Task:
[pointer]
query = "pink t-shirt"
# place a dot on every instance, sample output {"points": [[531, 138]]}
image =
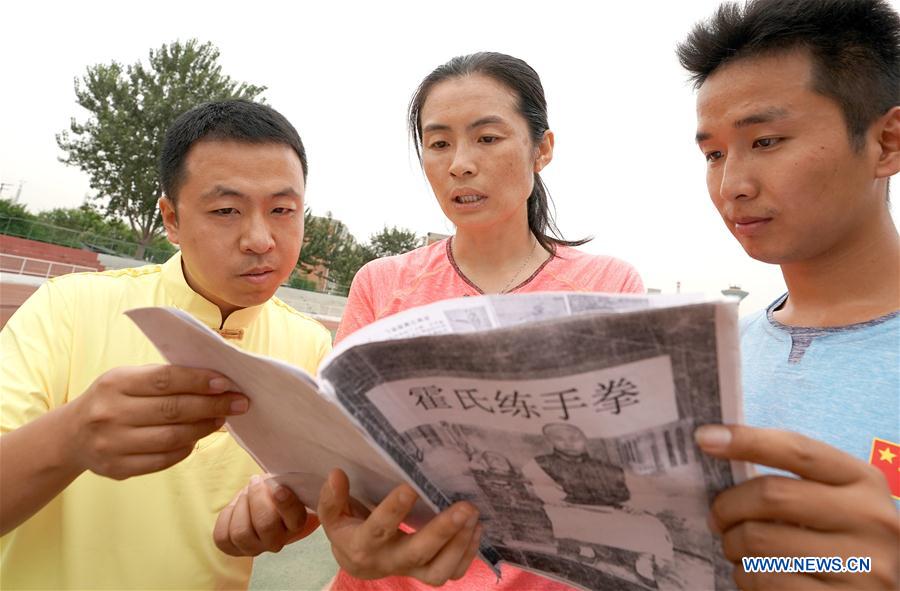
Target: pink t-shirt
{"points": [[429, 274]]}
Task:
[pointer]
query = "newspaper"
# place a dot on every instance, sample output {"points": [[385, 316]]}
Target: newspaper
{"points": [[567, 418]]}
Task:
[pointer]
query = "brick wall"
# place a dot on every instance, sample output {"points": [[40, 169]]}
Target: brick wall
{"points": [[12, 248]]}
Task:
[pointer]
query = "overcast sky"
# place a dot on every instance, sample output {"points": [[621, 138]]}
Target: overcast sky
{"points": [[625, 169]]}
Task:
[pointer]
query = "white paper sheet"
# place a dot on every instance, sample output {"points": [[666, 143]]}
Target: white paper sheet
{"points": [[283, 399]]}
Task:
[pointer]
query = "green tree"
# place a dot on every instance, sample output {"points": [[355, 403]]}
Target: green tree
{"points": [[346, 264], [391, 241], [329, 247], [130, 108], [350, 256], [14, 218], [88, 219], [100, 233], [323, 238]]}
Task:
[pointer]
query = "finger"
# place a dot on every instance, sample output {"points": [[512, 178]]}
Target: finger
{"points": [[241, 532], [165, 438], [423, 546], [781, 498], [265, 518], [447, 560], [763, 538], [220, 531], [463, 566], [159, 380], [184, 408], [784, 450], [333, 506], [334, 513], [289, 507], [382, 525]]}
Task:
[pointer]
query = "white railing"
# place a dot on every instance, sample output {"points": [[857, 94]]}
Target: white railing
{"points": [[13, 263]]}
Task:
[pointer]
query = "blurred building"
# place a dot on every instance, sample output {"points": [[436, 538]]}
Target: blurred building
{"points": [[735, 291], [433, 237]]}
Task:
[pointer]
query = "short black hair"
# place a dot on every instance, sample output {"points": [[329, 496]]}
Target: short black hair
{"points": [[854, 46], [233, 119]]}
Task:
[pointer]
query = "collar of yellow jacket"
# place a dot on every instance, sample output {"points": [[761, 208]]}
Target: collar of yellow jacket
{"points": [[185, 298]]}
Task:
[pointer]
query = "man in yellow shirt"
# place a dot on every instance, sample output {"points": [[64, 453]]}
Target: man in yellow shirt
{"points": [[115, 466]]}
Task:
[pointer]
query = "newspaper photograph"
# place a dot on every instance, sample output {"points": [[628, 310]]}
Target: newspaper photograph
{"points": [[568, 420]]}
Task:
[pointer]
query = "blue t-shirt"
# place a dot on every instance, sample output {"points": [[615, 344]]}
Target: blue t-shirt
{"points": [[838, 385]]}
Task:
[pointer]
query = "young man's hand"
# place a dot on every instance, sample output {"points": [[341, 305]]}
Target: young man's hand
{"points": [[374, 547], [840, 506], [137, 420], [262, 518]]}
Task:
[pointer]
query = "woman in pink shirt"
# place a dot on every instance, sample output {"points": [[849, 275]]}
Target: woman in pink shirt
{"points": [[479, 125]]}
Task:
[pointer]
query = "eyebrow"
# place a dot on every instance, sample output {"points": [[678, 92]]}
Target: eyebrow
{"points": [[489, 120], [770, 114], [286, 192], [224, 191], [765, 116]]}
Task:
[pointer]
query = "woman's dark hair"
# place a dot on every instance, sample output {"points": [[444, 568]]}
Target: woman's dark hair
{"points": [[520, 78]]}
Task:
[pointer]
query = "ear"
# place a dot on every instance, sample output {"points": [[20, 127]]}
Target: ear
{"points": [[544, 151], [887, 130], [169, 217]]}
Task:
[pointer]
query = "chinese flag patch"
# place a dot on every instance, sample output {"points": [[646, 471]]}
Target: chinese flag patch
{"points": [[886, 457]]}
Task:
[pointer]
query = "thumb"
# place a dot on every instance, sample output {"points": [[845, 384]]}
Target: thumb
{"points": [[334, 498]]}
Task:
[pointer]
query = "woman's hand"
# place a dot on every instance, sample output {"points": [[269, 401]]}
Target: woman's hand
{"points": [[374, 547], [262, 518]]}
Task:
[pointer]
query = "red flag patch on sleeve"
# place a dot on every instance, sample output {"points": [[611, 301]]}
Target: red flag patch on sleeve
{"points": [[886, 457]]}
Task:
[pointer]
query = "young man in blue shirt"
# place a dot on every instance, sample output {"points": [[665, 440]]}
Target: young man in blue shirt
{"points": [[799, 119]]}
